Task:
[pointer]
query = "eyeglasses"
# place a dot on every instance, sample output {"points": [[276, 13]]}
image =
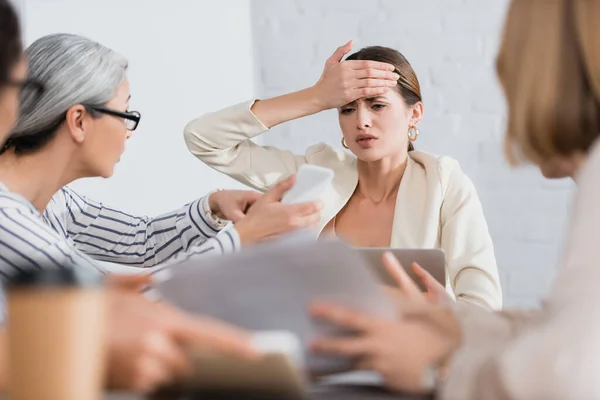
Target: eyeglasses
{"points": [[132, 118]]}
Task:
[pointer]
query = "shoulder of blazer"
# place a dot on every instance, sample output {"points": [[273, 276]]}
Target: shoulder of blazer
{"points": [[446, 170], [326, 156]]}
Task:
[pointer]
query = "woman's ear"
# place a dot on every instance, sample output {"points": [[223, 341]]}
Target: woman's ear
{"points": [[76, 122], [416, 113]]}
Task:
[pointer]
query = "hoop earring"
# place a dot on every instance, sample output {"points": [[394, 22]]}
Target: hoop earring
{"points": [[413, 133], [344, 145]]}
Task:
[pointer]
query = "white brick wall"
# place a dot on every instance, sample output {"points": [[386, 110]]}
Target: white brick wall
{"points": [[452, 46]]}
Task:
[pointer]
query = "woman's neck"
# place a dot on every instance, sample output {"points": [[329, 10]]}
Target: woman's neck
{"points": [[37, 176], [379, 180]]}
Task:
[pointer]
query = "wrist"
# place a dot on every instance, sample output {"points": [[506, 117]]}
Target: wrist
{"points": [[212, 211], [244, 232], [434, 376], [437, 372], [314, 100], [213, 204]]}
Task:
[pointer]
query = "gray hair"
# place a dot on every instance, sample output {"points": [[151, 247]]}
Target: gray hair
{"points": [[74, 70]]}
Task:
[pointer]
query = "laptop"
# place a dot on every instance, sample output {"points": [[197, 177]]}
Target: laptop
{"points": [[431, 260]]}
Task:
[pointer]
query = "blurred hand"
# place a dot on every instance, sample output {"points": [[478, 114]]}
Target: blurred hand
{"points": [[400, 350], [343, 82], [408, 289], [133, 282], [267, 217], [425, 334], [436, 292], [149, 343], [232, 205]]}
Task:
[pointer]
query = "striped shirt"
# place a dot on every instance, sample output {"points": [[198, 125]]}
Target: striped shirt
{"points": [[74, 230]]}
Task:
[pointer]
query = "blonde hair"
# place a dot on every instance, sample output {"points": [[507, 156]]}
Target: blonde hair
{"points": [[549, 68]]}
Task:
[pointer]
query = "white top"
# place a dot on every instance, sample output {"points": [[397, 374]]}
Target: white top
{"points": [[552, 353], [436, 207]]}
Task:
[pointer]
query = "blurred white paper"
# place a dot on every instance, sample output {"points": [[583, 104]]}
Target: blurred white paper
{"points": [[270, 287]]}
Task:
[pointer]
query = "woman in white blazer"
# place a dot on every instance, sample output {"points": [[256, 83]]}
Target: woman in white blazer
{"points": [[400, 196]]}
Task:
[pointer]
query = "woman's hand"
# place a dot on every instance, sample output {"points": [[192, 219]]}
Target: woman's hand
{"points": [[401, 350], [134, 282], [267, 217], [149, 344], [344, 82], [232, 205], [408, 289], [341, 83]]}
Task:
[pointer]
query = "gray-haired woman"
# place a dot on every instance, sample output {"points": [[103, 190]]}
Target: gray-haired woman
{"points": [[77, 127], [146, 341]]}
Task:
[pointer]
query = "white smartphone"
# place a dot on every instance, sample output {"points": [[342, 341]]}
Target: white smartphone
{"points": [[311, 183]]}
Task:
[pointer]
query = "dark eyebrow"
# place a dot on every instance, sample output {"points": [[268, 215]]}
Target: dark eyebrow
{"points": [[374, 99], [367, 99], [128, 97]]}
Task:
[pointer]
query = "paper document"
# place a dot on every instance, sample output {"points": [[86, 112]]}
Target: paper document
{"points": [[269, 287]]}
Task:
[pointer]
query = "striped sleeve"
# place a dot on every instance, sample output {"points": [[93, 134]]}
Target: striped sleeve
{"points": [[111, 235], [27, 243], [227, 241]]}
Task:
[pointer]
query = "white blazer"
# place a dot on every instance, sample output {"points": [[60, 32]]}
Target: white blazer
{"points": [[436, 207]]}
